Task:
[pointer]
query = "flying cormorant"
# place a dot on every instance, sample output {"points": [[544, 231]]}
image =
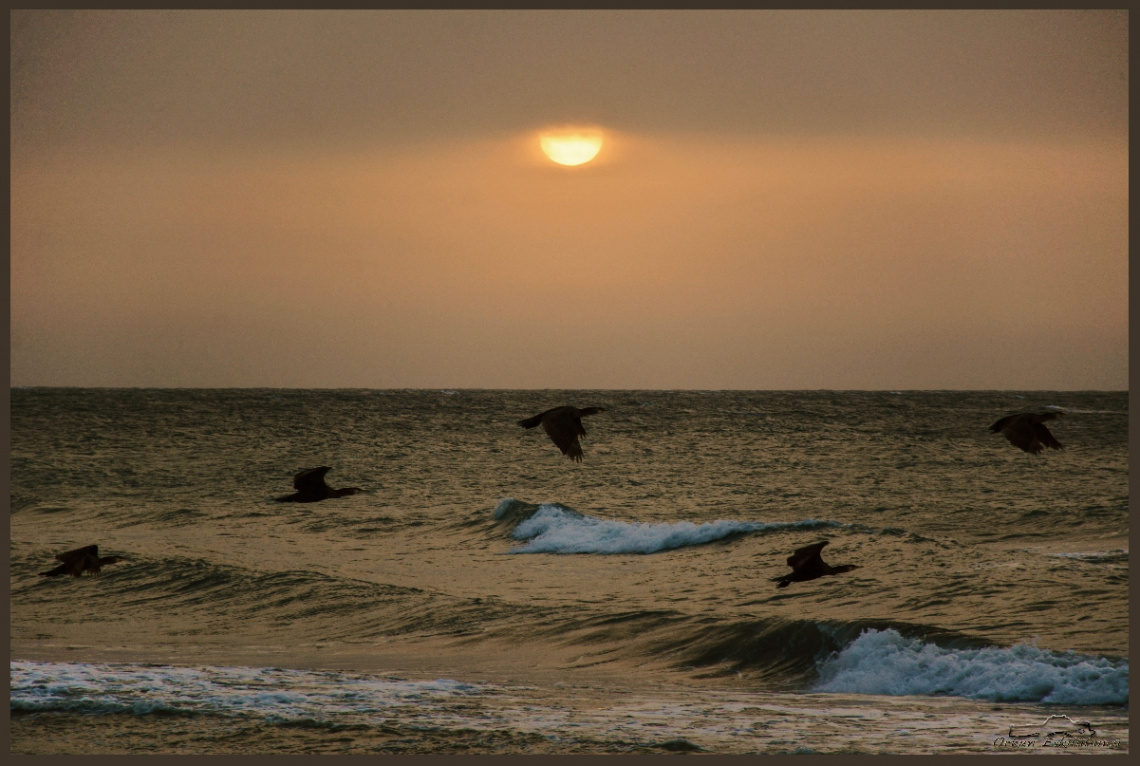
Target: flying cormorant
{"points": [[1027, 430], [80, 561], [807, 565], [311, 487], [563, 425]]}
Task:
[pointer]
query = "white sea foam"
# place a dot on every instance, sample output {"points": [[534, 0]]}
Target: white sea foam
{"points": [[273, 693], [715, 720], [884, 662], [554, 529]]}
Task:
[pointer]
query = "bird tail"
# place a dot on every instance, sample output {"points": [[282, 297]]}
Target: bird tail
{"points": [[531, 422]]}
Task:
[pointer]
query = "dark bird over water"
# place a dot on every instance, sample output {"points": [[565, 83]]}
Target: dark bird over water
{"points": [[80, 561], [311, 487], [807, 565], [563, 425], [1027, 430]]}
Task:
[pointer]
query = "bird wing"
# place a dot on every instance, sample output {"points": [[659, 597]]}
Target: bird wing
{"points": [[802, 555], [813, 568], [311, 479], [1022, 433], [77, 555], [552, 412], [1045, 436], [563, 431], [579, 414], [91, 564]]}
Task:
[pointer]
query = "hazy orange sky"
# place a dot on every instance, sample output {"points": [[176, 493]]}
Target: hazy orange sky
{"points": [[784, 200]]}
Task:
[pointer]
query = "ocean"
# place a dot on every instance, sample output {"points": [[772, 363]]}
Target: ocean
{"points": [[484, 594]]}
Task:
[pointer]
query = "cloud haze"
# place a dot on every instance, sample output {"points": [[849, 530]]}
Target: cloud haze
{"points": [[784, 200]]}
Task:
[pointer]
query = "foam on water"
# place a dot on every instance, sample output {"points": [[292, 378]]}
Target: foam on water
{"points": [[272, 693], [884, 662], [556, 529]]}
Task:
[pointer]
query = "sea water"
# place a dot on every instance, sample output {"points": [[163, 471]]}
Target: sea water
{"points": [[486, 594]]}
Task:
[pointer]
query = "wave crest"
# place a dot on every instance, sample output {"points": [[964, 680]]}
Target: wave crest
{"points": [[885, 662], [555, 528]]}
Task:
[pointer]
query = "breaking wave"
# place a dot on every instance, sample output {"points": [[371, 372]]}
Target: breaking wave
{"points": [[275, 694], [885, 662], [555, 528]]}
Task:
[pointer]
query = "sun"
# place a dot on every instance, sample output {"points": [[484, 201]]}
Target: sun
{"points": [[571, 146]]}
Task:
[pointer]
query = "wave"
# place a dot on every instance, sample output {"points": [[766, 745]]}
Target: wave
{"points": [[555, 528], [316, 606], [885, 662], [867, 656], [777, 652], [1098, 557], [275, 694]]}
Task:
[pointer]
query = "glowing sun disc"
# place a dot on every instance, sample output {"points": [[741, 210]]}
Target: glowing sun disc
{"points": [[571, 148]]}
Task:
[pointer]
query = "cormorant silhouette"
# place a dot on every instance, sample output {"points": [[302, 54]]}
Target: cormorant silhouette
{"points": [[1027, 430], [807, 564], [81, 561], [311, 487], [563, 425]]}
